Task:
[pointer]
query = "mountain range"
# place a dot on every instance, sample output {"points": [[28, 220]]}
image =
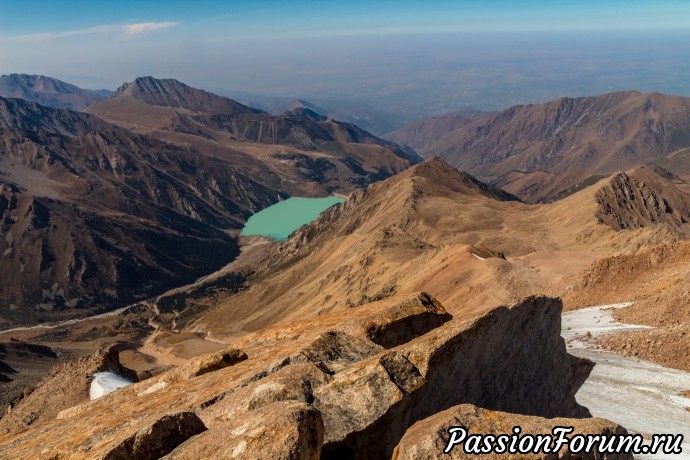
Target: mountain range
{"points": [[95, 214], [541, 152], [49, 91]]}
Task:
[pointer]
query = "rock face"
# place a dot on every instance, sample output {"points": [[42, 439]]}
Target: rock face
{"points": [[412, 381], [324, 388], [282, 431], [427, 438], [641, 199], [158, 439]]}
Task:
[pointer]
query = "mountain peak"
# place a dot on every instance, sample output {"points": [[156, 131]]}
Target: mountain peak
{"points": [[540, 152], [155, 91], [168, 92], [38, 83], [305, 112], [439, 172]]}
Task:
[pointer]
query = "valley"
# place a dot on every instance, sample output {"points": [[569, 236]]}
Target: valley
{"points": [[91, 210]]}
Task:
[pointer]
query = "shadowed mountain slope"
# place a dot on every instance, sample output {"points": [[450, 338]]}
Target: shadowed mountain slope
{"points": [[95, 215]]}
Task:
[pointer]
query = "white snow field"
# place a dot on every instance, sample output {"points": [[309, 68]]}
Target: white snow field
{"points": [[106, 382], [637, 394]]}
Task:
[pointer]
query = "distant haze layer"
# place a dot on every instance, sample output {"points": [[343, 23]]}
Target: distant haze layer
{"points": [[407, 75]]}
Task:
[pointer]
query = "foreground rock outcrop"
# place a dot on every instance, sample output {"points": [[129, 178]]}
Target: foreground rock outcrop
{"points": [[428, 438], [347, 384]]}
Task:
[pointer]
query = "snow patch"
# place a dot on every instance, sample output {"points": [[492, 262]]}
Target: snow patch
{"points": [[637, 394], [106, 382], [478, 257], [597, 321]]}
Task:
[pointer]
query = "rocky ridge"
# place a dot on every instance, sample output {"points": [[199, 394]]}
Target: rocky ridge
{"points": [[430, 227], [541, 152], [170, 105], [640, 199], [343, 385]]}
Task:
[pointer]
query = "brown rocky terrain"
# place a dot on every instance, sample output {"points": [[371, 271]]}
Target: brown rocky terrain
{"points": [[542, 151], [656, 280], [643, 198], [22, 366], [347, 384], [90, 210], [49, 91], [331, 351], [422, 134], [183, 114], [91, 213], [431, 228]]}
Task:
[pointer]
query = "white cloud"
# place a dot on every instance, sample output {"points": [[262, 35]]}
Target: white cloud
{"points": [[127, 29], [134, 29]]}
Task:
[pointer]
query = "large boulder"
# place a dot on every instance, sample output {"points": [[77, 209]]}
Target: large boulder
{"points": [[511, 359], [428, 438]]}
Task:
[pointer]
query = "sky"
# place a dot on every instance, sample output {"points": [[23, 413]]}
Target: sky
{"points": [[411, 56]]}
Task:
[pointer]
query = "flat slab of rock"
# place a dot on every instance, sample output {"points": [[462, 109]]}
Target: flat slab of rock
{"points": [[283, 431]]}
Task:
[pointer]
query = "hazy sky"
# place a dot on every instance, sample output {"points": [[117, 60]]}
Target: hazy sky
{"points": [[432, 55]]}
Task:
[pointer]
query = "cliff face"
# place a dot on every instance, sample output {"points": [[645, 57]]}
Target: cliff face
{"points": [[643, 198], [343, 385]]}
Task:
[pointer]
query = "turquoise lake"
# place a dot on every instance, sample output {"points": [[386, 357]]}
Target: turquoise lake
{"points": [[284, 217]]}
